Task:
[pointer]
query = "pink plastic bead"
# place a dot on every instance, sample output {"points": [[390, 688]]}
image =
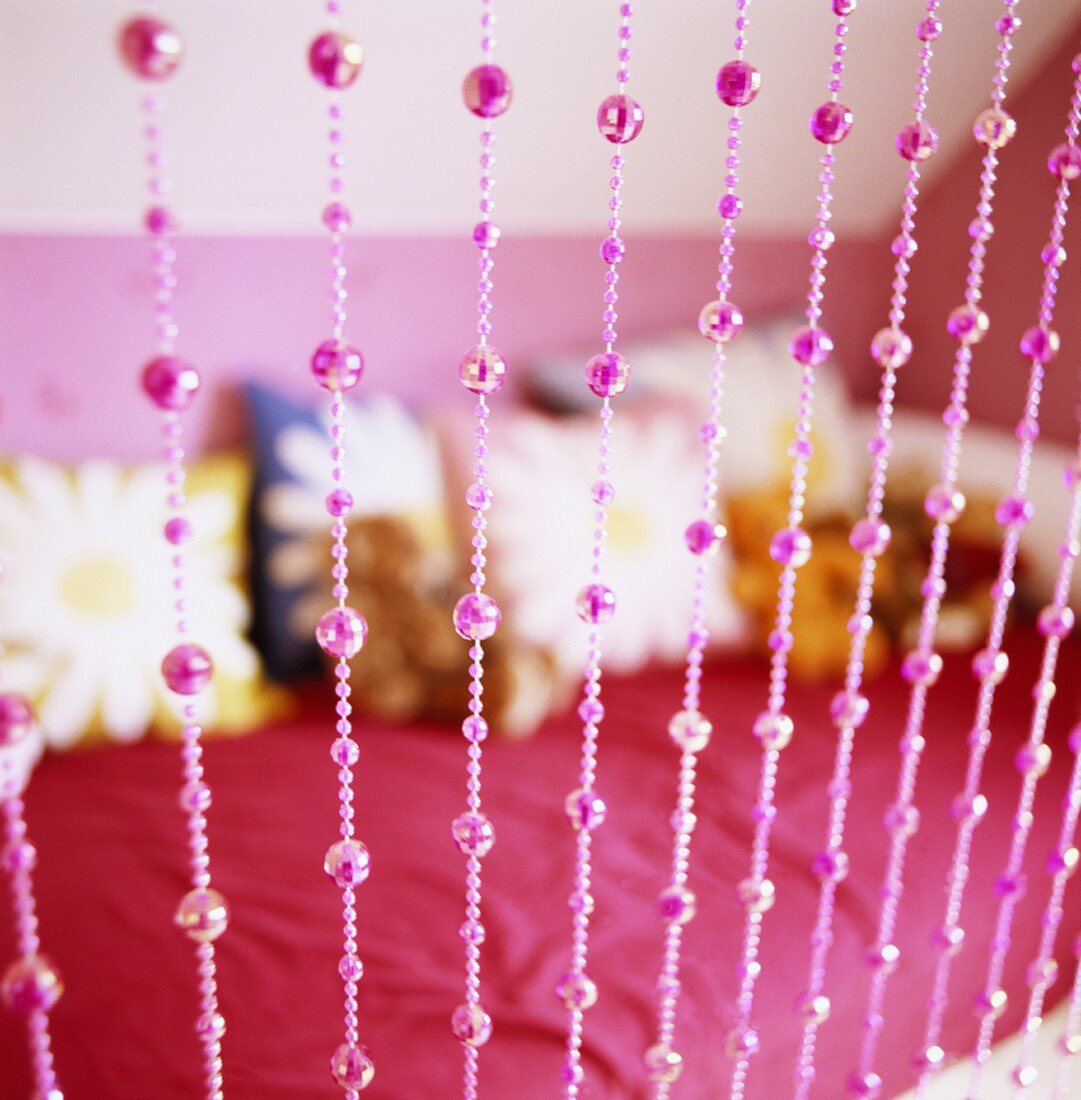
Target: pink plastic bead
{"points": [[620, 119], [944, 503], [1055, 622], [608, 374], [335, 59], [341, 632], [968, 324], [487, 91], [585, 809], [203, 914], [703, 537], [31, 984], [1040, 344], [993, 128], [920, 669], [187, 669], [482, 369], [337, 217], [1064, 163], [690, 730], [596, 603], [150, 48], [170, 383], [352, 1067], [16, 718], [791, 547], [337, 366], [831, 123], [720, 321], [810, 346], [738, 83], [891, 347], [870, 536], [917, 140], [348, 863], [471, 1025], [476, 616]]}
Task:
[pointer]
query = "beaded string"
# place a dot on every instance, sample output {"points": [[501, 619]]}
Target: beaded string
{"points": [[737, 85], [891, 349], [944, 504], [1055, 622], [1039, 345], [487, 93], [152, 50], [619, 119], [791, 549], [1070, 1046], [334, 59], [31, 985]]}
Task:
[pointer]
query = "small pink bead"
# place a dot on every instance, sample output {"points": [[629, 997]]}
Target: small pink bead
{"points": [[150, 48], [791, 547], [203, 914], [831, 123], [337, 366], [891, 347], [487, 91], [335, 59], [738, 83], [917, 141], [476, 616], [596, 603], [608, 374], [585, 809], [337, 217], [348, 863], [620, 119], [339, 503], [730, 206], [1064, 163], [613, 250], [929, 29], [811, 346], [187, 669], [720, 321], [16, 718], [482, 369], [1055, 622], [352, 1067], [31, 984], [870, 536], [170, 383], [471, 1025], [1040, 344]]}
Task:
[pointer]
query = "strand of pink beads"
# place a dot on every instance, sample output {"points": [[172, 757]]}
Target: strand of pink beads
{"points": [[152, 50], [487, 93], [968, 324], [31, 985], [719, 321], [1039, 345], [891, 349], [334, 59], [1033, 759], [619, 119], [791, 549], [1070, 1044]]}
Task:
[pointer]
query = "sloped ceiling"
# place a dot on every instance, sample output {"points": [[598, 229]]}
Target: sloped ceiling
{"points": [[248, 125]]}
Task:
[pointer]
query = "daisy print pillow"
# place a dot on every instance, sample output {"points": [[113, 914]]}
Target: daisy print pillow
{"points": [[86, 609]]}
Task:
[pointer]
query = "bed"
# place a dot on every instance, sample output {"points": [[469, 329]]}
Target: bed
{"points": [[111, 844]]}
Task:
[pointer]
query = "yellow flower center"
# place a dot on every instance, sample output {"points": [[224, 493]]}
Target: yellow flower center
{"points": [[99, 588], [627, 529]]}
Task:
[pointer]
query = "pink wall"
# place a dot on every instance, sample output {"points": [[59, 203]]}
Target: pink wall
{"points": [[74, 318], [1025, 192]]}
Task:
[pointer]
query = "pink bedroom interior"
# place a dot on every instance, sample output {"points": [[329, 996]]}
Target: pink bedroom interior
{"points": [[84, 622]]}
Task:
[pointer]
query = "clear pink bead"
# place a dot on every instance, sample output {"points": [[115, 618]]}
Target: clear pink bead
{"points": [[1064, 163], [170, 382], [944, 503], [740, 1041], [344, 751], [620, 119], [849, 709], [917, 141], [677, 905], [160, 221], [585, 809], [471, 1025], [16, 718], [203, 914], [596, 603], [352, 1067], [591, 711], [831, 123], [482, 369], [1014, 511], [991, 665], [891, 347], [31, 984], [730, 206], [177, 531], [608, 374], [690, 730], [663, 1064], [720, 321], [337, 217], [1040, 344], [929, 29], [337, 366], [341, 632], [348, 863], [150, 47], [865, 1086], [335, 59], [774, 731], [487, 91], [476, 616], [19, 857], [738, 83], [1055, 622], [195, 797], [485, 235], [613, 250], [791, 546], [884, 957], [993, 128], [810, 346], [339, 503], [757, 895], [187, 669], [902, 819], [968, 324], [920, 669], [475, 729], [473, 833], [577, 991], [870, 536], [703, 537]]}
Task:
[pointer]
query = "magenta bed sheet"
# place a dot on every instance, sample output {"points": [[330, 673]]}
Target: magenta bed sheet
{"points": [[110, 837]]}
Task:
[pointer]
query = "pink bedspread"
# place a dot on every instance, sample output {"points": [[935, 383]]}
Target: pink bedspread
{"points": [[112, 869]]}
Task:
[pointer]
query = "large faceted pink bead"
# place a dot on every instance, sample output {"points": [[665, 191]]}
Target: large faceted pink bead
{"points": [[16, 718], [476, 616], [791, 546], [203, 914], [738, 83], [1064, 163], [968, 324], [170, 383], [831, 123], [341, 632], [471, 1025], [31, 984], [620, 119], [150, 48], [187, 669], [596, 603], [335, 59], [608, 374], [348, 863], [487, 91], [810, 346], [585, 809], [720, 321], [482, 369], [473, 833], [917, 141], [352, 1067], [1040, 344], [337, 366]]}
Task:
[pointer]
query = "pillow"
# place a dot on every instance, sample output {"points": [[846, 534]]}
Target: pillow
{"points": [[86, 609], [541, 525], [393, 470]]}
